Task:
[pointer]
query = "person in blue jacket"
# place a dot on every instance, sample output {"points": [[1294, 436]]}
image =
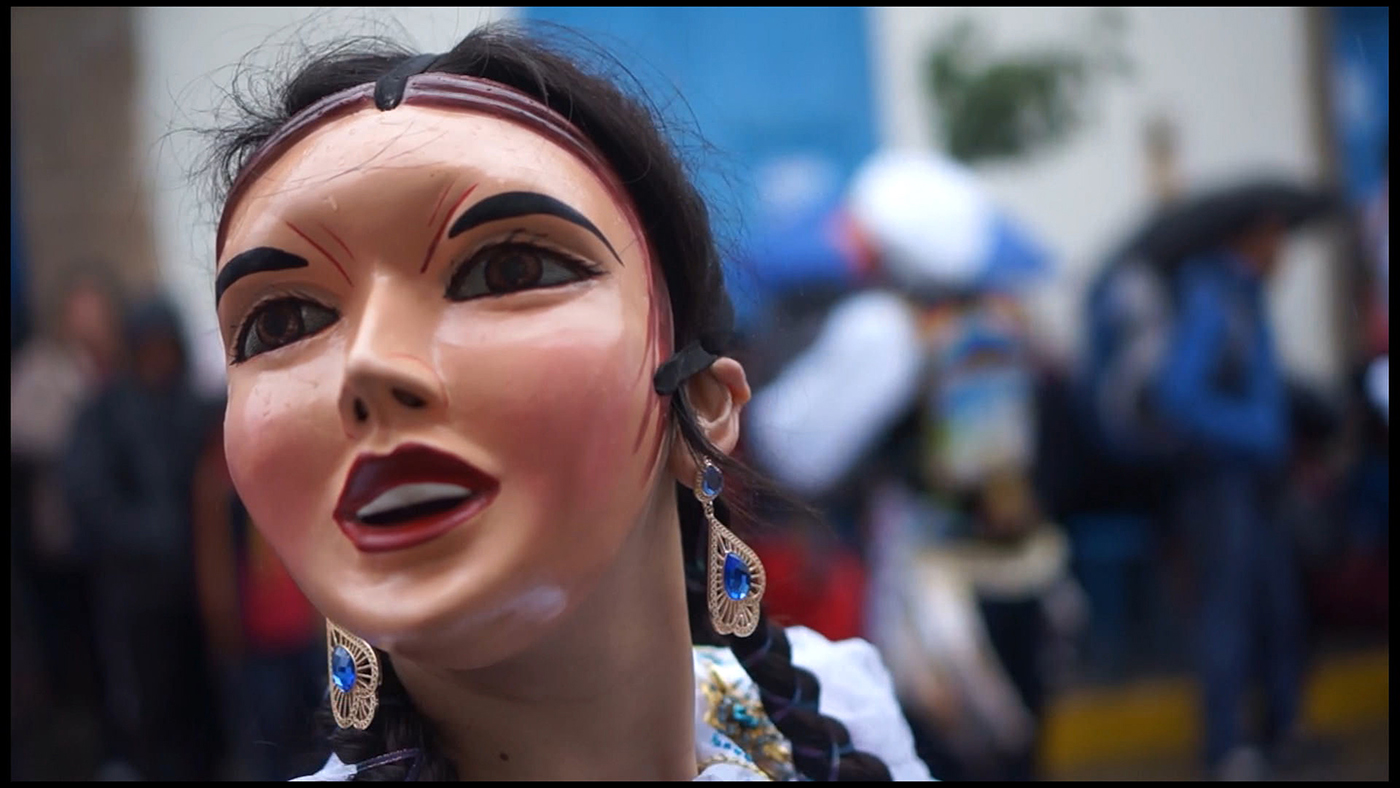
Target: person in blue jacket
{"points": [[1222, 391]]}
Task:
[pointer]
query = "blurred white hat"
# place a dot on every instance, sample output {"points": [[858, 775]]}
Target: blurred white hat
{"points": [[934, 225]]}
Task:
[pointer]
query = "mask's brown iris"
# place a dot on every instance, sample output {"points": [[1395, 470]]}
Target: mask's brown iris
{"points": [[512, 269]]}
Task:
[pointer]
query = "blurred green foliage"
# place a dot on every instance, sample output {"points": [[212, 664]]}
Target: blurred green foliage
{"points": [[1007, 108]]}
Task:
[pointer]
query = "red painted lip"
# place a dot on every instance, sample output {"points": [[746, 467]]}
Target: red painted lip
{"points": [[372, 476]]}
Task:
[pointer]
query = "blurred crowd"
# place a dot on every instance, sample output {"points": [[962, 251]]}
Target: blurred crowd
{"points": [[153, 635], [1006, 521]]}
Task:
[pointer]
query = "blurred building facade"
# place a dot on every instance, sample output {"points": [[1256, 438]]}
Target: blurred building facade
{"points": [[1241, 89], [78, 178]]}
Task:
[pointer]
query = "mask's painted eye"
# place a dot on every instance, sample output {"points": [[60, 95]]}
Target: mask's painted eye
{"points": [[508, 268], [281, 323]]}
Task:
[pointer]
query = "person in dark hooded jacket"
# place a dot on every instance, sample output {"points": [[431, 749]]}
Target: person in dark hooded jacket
{"points": [[128, 473]]}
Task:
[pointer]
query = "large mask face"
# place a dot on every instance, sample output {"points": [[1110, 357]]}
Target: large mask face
{"points": [[442, 330]]}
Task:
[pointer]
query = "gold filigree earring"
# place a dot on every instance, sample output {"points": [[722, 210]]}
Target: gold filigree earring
{"points": [[736, 580], [354, 678]]}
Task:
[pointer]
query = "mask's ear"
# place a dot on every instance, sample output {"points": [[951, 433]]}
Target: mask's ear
{"points": [[717, 396]]}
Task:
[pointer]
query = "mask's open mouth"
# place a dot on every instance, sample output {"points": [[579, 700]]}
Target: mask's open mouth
{"points": [[410, 501], [410, 496]]}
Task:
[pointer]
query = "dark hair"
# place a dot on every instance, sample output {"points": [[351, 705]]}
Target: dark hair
{"points": [[674, 216]]}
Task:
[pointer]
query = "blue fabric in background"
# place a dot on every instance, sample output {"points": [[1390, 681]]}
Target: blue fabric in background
{"points": [[1221, 385], [1361, 93], [783, 95]]}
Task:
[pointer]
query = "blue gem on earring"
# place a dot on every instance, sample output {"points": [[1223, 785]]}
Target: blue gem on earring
{"points": [[711, 482], [342, 669], [736, 577]]}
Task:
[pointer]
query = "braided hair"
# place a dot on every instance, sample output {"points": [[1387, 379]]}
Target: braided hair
{"points": [[629, 134]]}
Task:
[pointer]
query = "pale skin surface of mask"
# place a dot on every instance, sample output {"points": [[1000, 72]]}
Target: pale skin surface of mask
{"points": [[561, 603]]}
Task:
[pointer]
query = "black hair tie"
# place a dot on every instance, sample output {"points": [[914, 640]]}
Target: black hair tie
{"points": [[389, 89], [685, 362], [693, 358]]}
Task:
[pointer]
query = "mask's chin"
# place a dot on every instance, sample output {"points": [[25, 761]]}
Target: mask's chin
{"points": [[478, 639]]}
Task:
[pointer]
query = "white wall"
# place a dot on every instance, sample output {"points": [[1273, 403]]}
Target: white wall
{"points": [[1234, 82], [187, 63]]}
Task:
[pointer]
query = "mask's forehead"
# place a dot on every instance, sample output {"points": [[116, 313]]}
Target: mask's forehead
{"points": [[436, 90], [370, 165]]}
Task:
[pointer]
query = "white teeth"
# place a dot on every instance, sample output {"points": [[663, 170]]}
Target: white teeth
{"points": [[410, 494]]}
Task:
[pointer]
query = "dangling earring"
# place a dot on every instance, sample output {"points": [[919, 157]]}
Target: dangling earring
{"points": [[354, 678], [736, 578]]}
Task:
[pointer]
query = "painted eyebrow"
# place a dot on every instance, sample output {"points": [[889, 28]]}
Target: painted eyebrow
{"points": [[513, 204], [254, 261]]}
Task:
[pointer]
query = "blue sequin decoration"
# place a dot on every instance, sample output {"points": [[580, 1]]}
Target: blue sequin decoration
{"points": [[342, 669], [711, 482], [736, 577]]}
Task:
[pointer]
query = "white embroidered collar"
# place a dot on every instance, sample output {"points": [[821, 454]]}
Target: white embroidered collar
{"points": [[735, 740]]}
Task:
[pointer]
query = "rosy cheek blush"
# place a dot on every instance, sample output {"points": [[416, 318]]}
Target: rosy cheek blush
{"points": [[566, 420], [283, 438]]}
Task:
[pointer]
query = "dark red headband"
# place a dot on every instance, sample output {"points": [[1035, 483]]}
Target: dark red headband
{"points": [[430, 90]]}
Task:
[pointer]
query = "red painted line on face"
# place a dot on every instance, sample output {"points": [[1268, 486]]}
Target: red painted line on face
{"points": [[322, 250], [653, 353], [332, 234], [438, 205], [643, 425], [662, 348], [445, 219], [649, 359]]}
